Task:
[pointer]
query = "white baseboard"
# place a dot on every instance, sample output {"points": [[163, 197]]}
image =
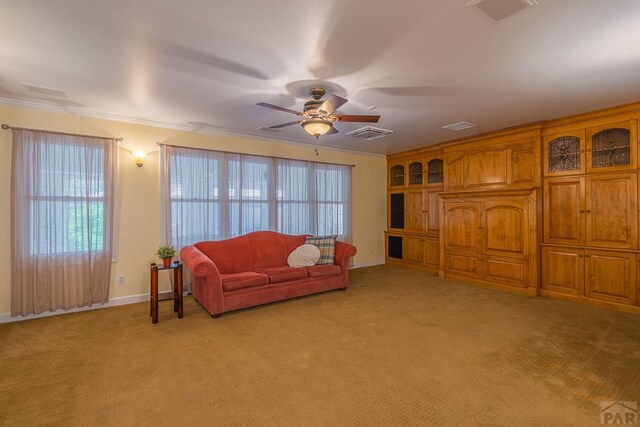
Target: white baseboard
{"points": [[6, 317], [366, 264], [114, 302]]}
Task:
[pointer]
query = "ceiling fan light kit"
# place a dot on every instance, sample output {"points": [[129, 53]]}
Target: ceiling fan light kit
{"points": [[318, 116], [317, 127]]}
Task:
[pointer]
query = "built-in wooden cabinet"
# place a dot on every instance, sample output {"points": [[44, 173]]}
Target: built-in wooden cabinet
{"points": [[494, 165], [589, 274], [590, 245], [490, 238], [546, 209], [597, 210], [414, 208]]}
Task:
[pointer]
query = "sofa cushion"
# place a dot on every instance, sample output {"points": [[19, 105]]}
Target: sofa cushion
{"points": [[270, 249], [324, 270], [327, 246], [283, 274], [249, 279], [230, 256], [304, 256]]}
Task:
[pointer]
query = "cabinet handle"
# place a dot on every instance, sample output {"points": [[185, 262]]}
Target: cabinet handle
{"points": [[588, 210], [581, 210], [580, 256]]}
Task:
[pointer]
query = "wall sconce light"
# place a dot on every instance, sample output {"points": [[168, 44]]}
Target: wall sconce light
{"points": [[138, 158]]}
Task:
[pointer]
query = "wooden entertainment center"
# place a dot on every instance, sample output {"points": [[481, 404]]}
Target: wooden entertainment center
{"points": [[546, 209]]}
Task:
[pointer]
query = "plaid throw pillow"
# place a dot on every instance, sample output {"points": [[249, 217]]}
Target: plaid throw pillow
{"points": [[327, 246]]}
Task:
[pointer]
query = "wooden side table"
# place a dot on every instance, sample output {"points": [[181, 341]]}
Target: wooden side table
{"points": [[177, 289]]}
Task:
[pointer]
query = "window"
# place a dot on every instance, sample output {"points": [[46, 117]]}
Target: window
{"points": [[67, 201], [63, 192], [214, 195]]}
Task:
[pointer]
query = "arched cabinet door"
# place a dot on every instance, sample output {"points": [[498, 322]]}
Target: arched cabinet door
{"points": [[435, 171], [462, 222], [396, 176], [564, 153], [505, 230], [612, 147], [416, 173]]}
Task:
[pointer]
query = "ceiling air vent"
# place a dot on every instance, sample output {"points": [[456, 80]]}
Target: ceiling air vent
{"points": [[369, 132], [497, 10], [459, 126]]}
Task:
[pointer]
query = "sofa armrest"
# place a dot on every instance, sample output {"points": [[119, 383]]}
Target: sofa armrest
{"points": [[198, 263], [344, 251]]}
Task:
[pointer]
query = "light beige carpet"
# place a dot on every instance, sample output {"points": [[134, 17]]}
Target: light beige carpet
{"points": [[399, 347]]}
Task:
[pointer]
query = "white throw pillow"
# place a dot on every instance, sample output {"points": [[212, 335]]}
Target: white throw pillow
{"points": [[304, 256]]}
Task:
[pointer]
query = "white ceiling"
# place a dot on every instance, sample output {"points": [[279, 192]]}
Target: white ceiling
{"points": [[423, 64]]}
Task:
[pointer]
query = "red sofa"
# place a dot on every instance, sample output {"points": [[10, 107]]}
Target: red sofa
{"points": [[252, 269]]}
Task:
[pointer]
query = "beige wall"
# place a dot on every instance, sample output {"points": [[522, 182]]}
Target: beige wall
{"points": [[139, 207]]}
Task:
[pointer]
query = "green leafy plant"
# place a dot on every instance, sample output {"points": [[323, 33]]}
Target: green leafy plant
{"points": [[166, 252]]}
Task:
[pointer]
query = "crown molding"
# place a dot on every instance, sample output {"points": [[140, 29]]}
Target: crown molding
{"points": [[211, 130]]}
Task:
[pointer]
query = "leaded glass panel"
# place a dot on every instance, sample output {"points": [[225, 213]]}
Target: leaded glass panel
{"points": [[611, 147], [397, 175], [415, 173], [435, 171], [564, 154]]}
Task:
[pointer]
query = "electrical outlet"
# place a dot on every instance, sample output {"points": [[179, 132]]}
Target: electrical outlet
{"points": [[370, 251], [120, 279]]}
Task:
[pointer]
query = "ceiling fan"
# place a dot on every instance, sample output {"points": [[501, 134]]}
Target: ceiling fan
{"points": [[318, 116]]}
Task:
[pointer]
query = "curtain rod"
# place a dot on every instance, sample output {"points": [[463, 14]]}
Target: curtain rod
{"points": [[160, 144], [7, 127]]}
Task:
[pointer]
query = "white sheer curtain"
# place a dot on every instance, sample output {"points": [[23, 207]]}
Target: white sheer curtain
{"points": [[212, 195], [62, 191]]}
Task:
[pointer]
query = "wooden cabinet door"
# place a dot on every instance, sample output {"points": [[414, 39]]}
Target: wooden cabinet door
{"points": [[432, 253], [523, 164], [564, 210], [416, 212], [462, 222], [415, 173], [486, 167], [564, 153], [563, 270], [610, 276], [433, 213], [612, 211], [396, 175], [612, 147], [414, 250], [505, 228], [454, 170]]}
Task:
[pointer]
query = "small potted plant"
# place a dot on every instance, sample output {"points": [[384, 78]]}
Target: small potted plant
{"points": [[166, 253]]}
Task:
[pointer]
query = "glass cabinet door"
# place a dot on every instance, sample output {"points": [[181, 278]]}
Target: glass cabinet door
{"points": [[612, 147], [564, 153], [396, 176], [435, 171], [415, 173]]}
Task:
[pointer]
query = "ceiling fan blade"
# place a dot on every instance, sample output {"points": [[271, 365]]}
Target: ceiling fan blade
{"points": [[332, 131], [332, 104], [284, 125], [357, 118], [275, 107]]}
